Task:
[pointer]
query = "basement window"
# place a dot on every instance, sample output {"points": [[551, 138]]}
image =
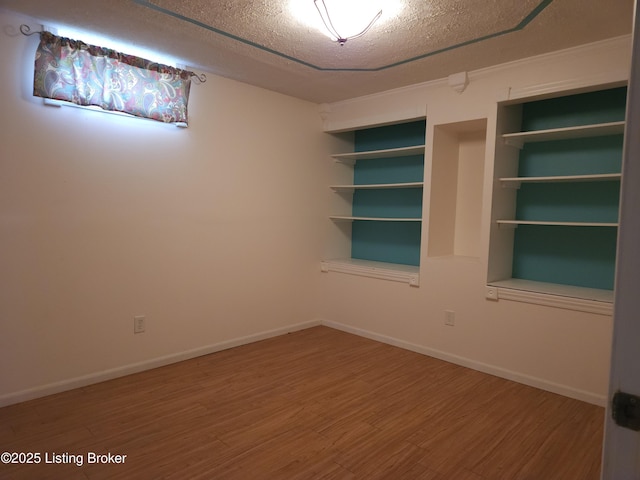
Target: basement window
{"points": [[88, 75]]}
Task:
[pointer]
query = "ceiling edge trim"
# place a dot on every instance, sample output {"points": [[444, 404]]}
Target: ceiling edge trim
{"points": [[525, 21]]}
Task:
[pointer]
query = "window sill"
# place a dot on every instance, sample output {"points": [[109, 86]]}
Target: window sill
{"points": [[367, 268]]}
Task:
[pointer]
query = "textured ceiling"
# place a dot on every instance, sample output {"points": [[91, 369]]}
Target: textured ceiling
{"points": [[263, 43]]}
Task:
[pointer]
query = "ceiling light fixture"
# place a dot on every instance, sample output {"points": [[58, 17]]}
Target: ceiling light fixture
{"points": [[341, 17]]}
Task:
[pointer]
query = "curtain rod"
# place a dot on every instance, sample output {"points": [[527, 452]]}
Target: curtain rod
{"points": [[26, 30]]}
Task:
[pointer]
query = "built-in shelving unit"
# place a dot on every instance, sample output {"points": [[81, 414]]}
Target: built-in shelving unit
{"points": [[380, 211], [558, 161]]}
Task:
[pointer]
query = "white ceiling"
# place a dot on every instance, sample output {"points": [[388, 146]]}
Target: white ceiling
{"points": [[262, 43]]}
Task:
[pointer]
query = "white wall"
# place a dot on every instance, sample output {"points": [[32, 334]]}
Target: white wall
{"points": [[561, 350], [214, 232]]}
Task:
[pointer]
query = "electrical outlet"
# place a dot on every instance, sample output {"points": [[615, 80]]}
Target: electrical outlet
{"points": [[138, 324], [491, 292], [449, 318]]}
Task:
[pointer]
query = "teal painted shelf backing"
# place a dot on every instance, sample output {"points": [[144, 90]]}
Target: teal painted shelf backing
{"points": [[391, 136], [578, 156], [581, 109], [558, 254], [389, 170], [392, 242], [572, 255], [388, 203], [569, 202]]}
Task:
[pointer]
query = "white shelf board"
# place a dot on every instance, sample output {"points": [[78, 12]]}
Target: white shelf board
{"points": [[351, 158], [367, 268], [344, 218], [518, 139], [514, 182], [351, 188], [570, 297], [515, 223]]}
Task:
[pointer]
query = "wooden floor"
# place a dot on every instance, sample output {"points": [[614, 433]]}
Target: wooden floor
{"points": [[318, 403]]}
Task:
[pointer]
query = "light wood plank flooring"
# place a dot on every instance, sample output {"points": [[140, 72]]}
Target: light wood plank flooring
{"points": [[318, 403]]}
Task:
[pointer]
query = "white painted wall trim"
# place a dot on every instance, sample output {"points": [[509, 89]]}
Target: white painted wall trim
{"points": [[536, 382], [84, 380]]}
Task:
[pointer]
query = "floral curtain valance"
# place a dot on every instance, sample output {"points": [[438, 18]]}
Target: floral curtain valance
{"points": [[73, 71]]}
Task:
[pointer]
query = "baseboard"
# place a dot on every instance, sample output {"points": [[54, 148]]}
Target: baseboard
{"points": [[536, 382], [82, 381]]}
